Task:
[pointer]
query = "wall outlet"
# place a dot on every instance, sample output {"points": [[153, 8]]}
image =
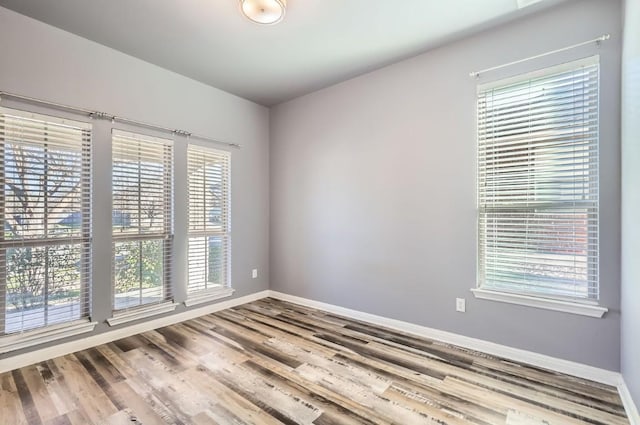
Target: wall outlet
{"points": [[461, 305], [254, 273]]}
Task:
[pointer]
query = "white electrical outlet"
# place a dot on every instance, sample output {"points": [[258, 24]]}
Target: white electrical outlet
{"points": [[254, 273], [461, 305]]}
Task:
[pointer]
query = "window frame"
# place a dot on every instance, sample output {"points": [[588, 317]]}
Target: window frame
{"points": [[26, 337], [166, 236], [198, 296], [585, 306]]}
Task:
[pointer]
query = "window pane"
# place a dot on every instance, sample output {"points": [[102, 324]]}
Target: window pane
{"points": [[207, 262], [43, 286], [43, 192], [141, 179], [139, 272], [208, 187], [549, 246]]}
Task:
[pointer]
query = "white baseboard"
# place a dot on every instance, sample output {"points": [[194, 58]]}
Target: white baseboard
{"points": [[39, 355], [540, 360], [629, 406]]}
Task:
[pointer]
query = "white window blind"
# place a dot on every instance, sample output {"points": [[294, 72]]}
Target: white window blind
{"points": [[45, 209], [209, 227], [538, 183], [142, 182]]}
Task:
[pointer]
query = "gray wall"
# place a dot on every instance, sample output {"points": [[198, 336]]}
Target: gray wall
{"points": [[631, 198], [373, 189], [44, 62]]}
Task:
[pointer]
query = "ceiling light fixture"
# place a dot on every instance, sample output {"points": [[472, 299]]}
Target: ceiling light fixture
{"points": [[263, 11]]}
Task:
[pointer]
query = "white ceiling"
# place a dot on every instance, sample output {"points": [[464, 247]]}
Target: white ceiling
{"points": [[319, 43]]}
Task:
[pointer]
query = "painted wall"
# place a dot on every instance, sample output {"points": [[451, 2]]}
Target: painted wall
{"points": [[41, 61], [373, 189], [631, 198]]}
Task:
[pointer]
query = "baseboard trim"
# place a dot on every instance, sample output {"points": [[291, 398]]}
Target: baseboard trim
{"points": [[540, 360], [39, 355], [629, 406]]}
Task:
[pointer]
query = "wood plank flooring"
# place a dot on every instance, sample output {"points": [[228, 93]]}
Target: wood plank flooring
{"points": [[272, 362]]}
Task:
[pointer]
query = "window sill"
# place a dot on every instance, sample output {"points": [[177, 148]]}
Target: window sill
{"points": [[141, 313], [30, 338], [208, 295], [590, 310]]}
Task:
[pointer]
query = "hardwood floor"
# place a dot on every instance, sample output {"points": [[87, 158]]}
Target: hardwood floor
{"points": [[272, 362]]}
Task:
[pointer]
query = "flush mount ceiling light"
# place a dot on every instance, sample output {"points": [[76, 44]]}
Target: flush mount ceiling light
{"points": [[263, 11]]}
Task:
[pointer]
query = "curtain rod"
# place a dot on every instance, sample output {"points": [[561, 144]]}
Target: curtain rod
{"points": [[597, 40], [113, 118]]}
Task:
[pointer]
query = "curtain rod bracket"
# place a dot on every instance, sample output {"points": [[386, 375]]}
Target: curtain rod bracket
{"points": [[100, 115], [182, 133], [604, 37]]}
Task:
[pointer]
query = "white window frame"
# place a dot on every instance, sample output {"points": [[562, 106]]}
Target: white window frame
{"points": [[586, 306], [141, 311], [210, 294], [51, 332]]}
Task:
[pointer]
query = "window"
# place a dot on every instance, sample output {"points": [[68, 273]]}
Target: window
{"points": [[538, 183], [209, 236], [142, 219], [45, 248]]}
